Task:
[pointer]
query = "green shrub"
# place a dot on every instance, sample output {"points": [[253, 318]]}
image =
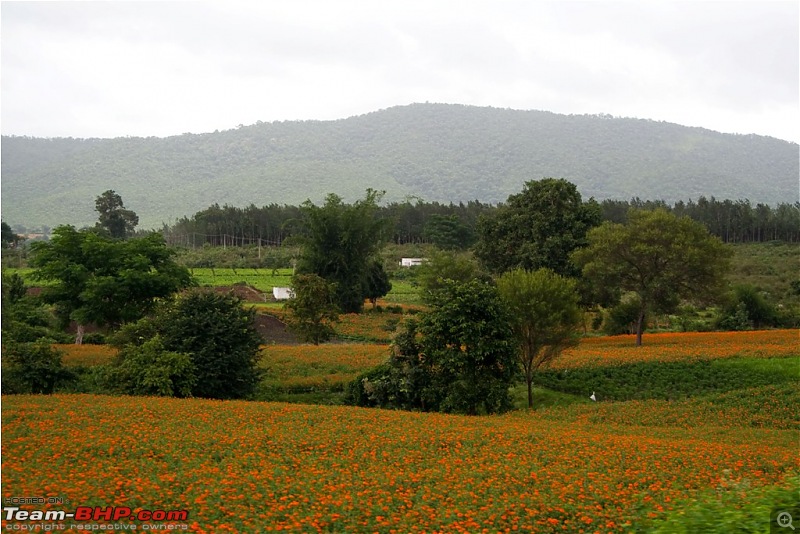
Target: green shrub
{"points": [[736, 319], [747, 308], [621, 319], [390, 325], [149, 369], [216, 332], [31, 368], [94, 338], [93, 379], [25, 320], [371, 388]]}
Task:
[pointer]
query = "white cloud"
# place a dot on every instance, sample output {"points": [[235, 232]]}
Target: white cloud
{"points": [[151, 68]]}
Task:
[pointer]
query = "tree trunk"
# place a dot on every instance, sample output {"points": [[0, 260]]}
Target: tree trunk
{"points": [[529, 379], [640, 325], [530, 393], [79, 335]]}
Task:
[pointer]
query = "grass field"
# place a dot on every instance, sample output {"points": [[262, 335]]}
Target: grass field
{"points": [[262, 279], [403, 292]]}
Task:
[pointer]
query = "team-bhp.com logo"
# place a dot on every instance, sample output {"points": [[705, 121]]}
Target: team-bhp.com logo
{"points": [[119, 516]]}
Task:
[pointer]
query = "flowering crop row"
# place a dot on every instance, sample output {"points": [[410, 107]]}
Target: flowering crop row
{"points": [[367, 326], [87, 355], [320, 366], [264, 467], [594, 352], [670, 347], [773, 406]]}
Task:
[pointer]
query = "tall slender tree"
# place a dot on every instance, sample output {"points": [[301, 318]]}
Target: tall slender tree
{"points": [[544, 315], [340, 242]]}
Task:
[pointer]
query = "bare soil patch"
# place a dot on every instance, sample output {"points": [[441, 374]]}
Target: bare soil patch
{"points": [[273, 330]]}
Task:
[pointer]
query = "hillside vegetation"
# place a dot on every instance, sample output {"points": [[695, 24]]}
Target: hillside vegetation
{"points": [[446, 153]]}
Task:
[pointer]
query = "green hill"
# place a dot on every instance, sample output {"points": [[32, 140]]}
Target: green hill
{"points": [[434, 151]]}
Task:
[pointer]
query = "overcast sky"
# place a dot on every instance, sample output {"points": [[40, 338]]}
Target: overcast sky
{"points": [[107, 69]]}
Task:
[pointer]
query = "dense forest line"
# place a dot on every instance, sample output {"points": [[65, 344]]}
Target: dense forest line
{"points": [[440, 153], [454, 225]]}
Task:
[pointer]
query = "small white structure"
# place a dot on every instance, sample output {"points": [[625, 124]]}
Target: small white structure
{"points": [[282, 293], [410, 262]]}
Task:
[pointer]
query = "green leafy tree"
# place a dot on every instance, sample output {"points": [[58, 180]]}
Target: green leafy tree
{"points": [[31, 367], [9, 238], [747, 300], [545, 315], [460, 357], [339, 244], [105, 281], [468, 348], [114, 218], [401, 382], [537, 228], [214, 330], [443, 265], [313, 309], [377, 282], [448, 232], [661, 258]]}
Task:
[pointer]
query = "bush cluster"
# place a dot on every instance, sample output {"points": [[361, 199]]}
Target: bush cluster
{"points": [[31, 368], [201, 344]]}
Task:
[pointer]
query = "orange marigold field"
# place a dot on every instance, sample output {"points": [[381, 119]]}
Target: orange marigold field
{"points": [[291, 360], [368, 326], [86, 354], [266, 467], [670, 347], [320, 366]]}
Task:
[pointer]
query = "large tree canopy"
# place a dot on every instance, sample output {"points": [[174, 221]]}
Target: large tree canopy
{"points": [[660, 257], [468, 349], [460, 357], [443, 265], [340, 242], [114, 218], [537, 228], [104, 281]]}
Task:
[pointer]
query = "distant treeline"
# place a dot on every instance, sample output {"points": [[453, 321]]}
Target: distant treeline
{"points": [[454, 225], [733, 221]]}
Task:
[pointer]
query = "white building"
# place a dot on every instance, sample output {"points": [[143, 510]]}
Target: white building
{"points": [[410, 262], [282, 293]]}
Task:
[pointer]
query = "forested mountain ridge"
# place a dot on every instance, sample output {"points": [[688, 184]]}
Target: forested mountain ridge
{"points": [[446, 153]]}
